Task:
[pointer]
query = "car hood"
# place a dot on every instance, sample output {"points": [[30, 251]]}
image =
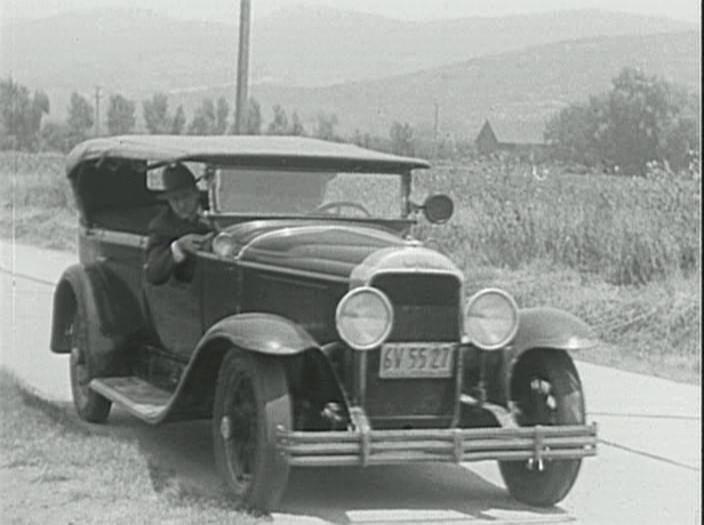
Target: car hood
{"points": [[344, 251]]}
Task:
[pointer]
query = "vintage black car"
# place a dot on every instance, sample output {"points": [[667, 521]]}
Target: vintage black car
{"points": [[315, 330]]}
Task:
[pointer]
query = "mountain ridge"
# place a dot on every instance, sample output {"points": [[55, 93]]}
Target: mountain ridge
{"points": [[516, 90], [300, 46], [367, 72]]}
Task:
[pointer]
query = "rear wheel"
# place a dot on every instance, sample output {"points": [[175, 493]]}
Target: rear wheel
{"points": [[251, 402], [547, 391], [90, 405]]}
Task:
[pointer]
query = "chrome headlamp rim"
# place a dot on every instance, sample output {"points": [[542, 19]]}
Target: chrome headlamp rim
{"points": [[223, 245], [387, 304], [514, 306]]}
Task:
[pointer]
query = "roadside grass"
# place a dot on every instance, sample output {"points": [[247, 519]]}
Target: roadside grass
{"points": [[36, 203], [623, 253], [57, 469], [653, 329]]}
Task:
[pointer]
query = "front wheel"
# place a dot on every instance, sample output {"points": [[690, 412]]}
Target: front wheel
{"points": [[547, 391], [252, 402]]}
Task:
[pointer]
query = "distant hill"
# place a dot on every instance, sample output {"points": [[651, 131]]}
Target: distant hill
{"points": [[516, 90], [138, 52]]}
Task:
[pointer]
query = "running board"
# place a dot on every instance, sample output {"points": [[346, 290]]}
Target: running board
{"points": [[138, 397]]}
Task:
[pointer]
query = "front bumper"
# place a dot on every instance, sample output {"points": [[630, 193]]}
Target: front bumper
{"points": [[389, 447]]}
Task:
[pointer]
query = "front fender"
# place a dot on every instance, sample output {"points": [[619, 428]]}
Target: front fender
{"points": [[545, 327], [254, 332], [542, 329], [260, 332]]}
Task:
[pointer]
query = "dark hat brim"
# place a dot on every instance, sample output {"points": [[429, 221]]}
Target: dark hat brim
{"points": [[166, 195]]}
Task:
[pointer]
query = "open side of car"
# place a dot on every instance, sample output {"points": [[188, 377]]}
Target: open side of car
{"points": [[313, 330]]}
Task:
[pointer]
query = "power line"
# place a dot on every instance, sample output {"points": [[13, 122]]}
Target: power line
{"points": [[97, 111]]}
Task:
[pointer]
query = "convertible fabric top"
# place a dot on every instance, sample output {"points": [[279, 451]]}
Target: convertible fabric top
{"points": [[239, 150]]}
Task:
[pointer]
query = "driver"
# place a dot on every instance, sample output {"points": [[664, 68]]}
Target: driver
{"points": [[178, 232]]}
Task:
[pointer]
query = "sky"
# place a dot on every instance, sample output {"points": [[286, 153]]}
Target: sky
{"points": [[686, 10]]}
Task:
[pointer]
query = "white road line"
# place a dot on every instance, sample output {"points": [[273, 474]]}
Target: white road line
{"points": [[27, 277], [643, 415], [655, 457]]}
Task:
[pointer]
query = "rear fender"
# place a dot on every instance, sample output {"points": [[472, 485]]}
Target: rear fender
{"points": [[72, 286], [110, 312], [108, 306]]}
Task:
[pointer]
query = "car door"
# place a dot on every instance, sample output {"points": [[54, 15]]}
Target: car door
{"points": [[174, 312]]}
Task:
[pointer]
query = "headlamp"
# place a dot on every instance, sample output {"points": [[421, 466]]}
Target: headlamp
{"points": [[224, 245], [364, 318], [491, 319]]}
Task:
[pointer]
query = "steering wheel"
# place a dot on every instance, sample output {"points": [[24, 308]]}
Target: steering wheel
{"points": [[329, 207]]}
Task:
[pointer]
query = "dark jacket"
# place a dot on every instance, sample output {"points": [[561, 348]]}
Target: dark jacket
{"points": [[163, 230]]}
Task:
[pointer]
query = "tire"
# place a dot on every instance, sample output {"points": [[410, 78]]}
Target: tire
{"points": [[547, 391], [90, 405], [252, 400]]}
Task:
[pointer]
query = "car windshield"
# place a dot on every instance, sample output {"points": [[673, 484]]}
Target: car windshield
{"points": [[287, 192]]}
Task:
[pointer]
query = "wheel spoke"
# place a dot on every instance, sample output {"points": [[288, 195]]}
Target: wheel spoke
{"points": [[241, 445], [82, 374]]}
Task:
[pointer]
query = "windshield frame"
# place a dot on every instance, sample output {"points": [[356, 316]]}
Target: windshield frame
{"points": [[211, 175]]}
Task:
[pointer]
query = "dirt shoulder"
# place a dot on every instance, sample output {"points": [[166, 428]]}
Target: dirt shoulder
{"points": [[56, 469]]}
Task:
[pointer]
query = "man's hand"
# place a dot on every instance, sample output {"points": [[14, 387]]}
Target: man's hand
{"points": [[189, 243]]}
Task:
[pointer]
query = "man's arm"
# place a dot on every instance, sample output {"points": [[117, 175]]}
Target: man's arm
{"points": [[160, 260]]}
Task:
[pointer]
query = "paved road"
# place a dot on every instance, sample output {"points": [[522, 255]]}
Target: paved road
{"points": [[648, 469]]}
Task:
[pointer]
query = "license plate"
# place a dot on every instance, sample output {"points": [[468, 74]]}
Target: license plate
{"points": [[404, 360]]}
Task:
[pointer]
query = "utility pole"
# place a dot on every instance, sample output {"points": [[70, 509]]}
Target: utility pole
{"points": [[242, 69], [97, 111], [436, 125]]}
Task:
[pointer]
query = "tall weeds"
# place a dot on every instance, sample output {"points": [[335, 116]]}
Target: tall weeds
{"points": [[628, 230]]}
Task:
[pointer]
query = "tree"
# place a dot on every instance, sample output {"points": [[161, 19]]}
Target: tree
{"points": [[279, 123], [21, 115], [361, 139], [254, 117], [325, 126], [296, 125], [641, 119], [179, 121], [55, 136], [156, 114], [121, 119], [204, 119], [80, 119], [638, 106], [253, 126], [402, 140], [680, 138], [221, 112], [575, 133]]}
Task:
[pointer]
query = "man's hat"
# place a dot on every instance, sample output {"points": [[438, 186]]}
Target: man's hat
{"points": [[177, 178]]}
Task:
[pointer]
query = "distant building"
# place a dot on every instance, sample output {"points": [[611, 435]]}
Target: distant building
{"points": [[521, 139]]}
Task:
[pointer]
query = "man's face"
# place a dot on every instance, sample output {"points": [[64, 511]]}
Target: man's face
{"points": [[185, 203]]}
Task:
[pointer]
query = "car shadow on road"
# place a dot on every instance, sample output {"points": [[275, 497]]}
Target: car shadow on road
{"points": [[180, 455], [408, 493]]}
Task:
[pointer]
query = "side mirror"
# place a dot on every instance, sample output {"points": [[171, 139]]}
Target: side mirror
{"points": [[438, 208]]}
